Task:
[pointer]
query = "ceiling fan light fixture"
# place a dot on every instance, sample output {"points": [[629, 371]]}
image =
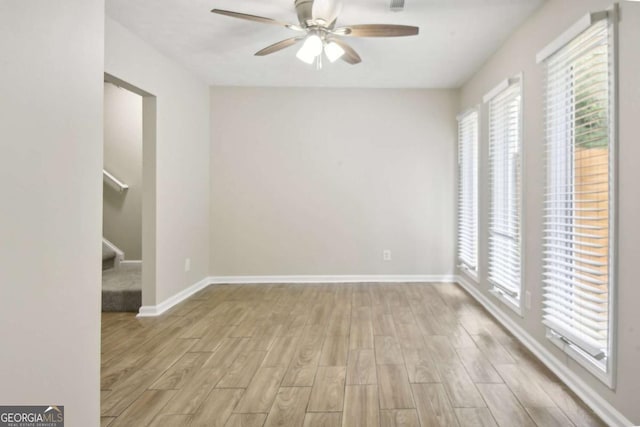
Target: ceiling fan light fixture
{"points": [[333, 51], [303, 56], [317, 20], [311, 48]]}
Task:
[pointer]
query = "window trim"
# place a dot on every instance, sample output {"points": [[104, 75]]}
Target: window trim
{"points": [[571, 33], [608, 376], [515, 305], [472, 274]]}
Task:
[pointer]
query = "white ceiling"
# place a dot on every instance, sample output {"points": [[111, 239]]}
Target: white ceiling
{"points": [[456, 37]]}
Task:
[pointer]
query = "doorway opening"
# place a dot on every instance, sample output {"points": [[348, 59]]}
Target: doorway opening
{"points": [[129, 195]]}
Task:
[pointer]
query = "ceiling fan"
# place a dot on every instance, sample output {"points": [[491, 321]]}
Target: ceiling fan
{"points": [[317, 23]]}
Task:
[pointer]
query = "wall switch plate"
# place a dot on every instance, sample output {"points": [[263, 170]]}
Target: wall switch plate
{"points": [[187, 264], [386, 255], [527, 300]]}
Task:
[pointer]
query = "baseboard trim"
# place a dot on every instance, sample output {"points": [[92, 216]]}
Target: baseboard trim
{"points": [[157, 310], [600, 406], [130, 261], [301, 279]]}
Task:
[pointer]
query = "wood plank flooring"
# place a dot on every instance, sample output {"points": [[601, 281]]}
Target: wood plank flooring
{"points": [[326, 355]]}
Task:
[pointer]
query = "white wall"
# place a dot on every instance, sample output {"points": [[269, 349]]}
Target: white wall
{"points": [[518, 55], [321, 181], [122, 211], [50, 168], [181, 159]]}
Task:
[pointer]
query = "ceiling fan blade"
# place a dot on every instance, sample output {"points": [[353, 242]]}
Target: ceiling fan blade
{"points": [[304, 9], [377, 30], [255, 18], [350, 55], [327, 10], [278, 46]]}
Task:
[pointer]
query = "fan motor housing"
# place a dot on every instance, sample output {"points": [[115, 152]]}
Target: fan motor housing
{"points": [[304, 9]]}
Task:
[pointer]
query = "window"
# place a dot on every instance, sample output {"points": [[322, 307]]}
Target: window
{"points": [[579, 199], [468, 191], [505, 164]]}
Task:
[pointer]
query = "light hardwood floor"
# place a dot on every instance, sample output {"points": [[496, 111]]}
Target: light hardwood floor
{"points": [[326, 355]]}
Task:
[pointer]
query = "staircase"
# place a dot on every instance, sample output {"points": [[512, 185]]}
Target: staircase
{"points": [[108, 257], [121, 282]]}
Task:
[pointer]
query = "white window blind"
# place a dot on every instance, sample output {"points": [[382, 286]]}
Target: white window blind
{"points": [[468, 191], [505, 162], [578, 199]]}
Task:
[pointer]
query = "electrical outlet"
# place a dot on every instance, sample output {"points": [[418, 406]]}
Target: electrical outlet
{"points": [[386, 255], [527, 300], [187, 264]]}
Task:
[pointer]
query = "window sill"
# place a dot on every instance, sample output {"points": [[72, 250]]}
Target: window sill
{"points": [[583, 360]]}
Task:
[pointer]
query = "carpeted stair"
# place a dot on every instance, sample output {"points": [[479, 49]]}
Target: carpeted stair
{"points": [[108, 257], [122, 286]]}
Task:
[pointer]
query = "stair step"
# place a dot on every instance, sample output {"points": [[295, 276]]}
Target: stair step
{"points": [[108, 263], [108, 257], [122, 288], [123, 300], [107, 252]]}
